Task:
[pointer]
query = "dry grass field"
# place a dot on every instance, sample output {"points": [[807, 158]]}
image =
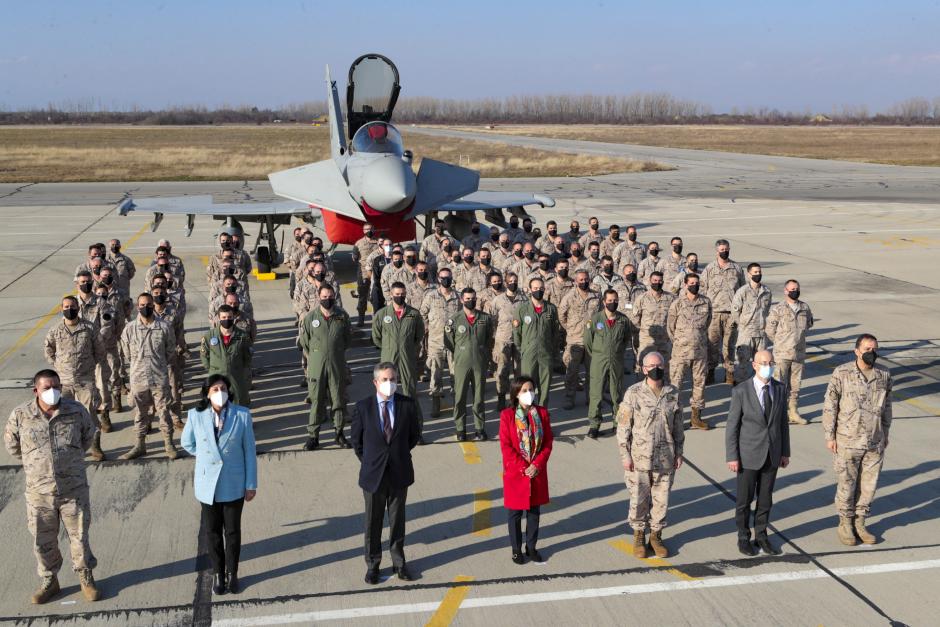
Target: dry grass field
{"points": [[191, 153], [897, 145]]}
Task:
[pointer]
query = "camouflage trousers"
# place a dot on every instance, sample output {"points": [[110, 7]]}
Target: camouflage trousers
{"points": [[790, 373], [649, 498], [150, 401], [438, 356], [177, 363], [696, 367], [108, 376], [85, 394], [857, 473], [576, 358], [44, 513], [506, 358], [649, 344], [744, 354], [721, 341]]}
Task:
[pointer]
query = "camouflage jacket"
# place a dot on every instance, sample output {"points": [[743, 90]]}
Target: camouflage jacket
{"points": [[786, 330], [73, 352], [720, 284], [857, 412], [749, 310], [436, 310], [148, 349], [649, 314], [649, 428], [575, 311], [502, 309], [688, 327]]}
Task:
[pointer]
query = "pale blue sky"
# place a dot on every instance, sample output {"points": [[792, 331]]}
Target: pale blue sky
{"points": [[791, 55]]}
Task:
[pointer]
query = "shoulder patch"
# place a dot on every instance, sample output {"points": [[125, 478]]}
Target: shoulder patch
{"points": [[315, 323], [214, 341], [515, 323], [600, 326], [527, 319], [387, 319]]}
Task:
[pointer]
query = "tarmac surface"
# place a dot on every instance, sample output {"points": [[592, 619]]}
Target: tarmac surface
{"points": [[863, 240]]}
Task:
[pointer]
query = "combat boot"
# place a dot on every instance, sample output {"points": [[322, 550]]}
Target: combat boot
{"points": [[435, 407], [116, 404], [569, 403], [104, 420], [169, 447], [793, 415], [362, 321], [47, 589], [139, 449], [846, 532], [178, 424], [639, 544], [864, 534], [697, 422], [656, 541], [89, 589], [729, 377], [95, 451], [710, 377]]}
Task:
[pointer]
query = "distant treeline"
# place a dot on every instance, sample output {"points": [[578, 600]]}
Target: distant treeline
{"points": [[646, 108]]}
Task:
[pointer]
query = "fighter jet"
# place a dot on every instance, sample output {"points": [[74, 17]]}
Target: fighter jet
{"points": [[369, 178]]}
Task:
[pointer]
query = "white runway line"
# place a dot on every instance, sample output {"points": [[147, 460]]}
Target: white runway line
{"points": [[572, 595]]}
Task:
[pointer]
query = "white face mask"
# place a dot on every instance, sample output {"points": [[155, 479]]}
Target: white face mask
{"points": [[51, 396], [387, 388], [219, 398], [526, 398], [766, 372], [387, 250]]}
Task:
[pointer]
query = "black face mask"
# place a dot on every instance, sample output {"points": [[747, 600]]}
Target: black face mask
{"points": [[608, 270], [575, 253], [398, 300], [230, 289], [226, 245], [517, 253], [108, 280], [370, 233], [656, 287], [446, 250], [654, 252], [594, 227], [484, 261], [398, 263], [693, 267], [563, 273], [529, 255], [757, 277], [575, 231], [611, 307], [146, 311], [439, 230], [446, 281], [543, 265], [511, 287], [724, 255], [317, 246], [84, 288], [631, 277], [582, 286], [297, 238], [497, 287], [655, 374], [692, 289], [595, 254], [514, 224], [227, 324], [468, 260], [631, 237], [319, 276], [615, 235], [494, 237], [527, 228], [677, 248], [115, 249], [538, 294], [159, 299], [475, 231], [869, 358], [411, 261], [794, 294], [553, 232], [423, 275], [504, 245], [230, 271], [70, 314], [327, 303], [470, 304]]}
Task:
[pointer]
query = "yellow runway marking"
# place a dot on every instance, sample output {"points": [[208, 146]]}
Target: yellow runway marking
{"points": [[20, 343], [447, 610], [136, 236], [471, 454], [655, 562], [481, 513]]}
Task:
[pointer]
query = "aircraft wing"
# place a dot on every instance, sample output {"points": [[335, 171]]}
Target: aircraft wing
{"points": [[483, 201], [318, 184], [203, 205]]}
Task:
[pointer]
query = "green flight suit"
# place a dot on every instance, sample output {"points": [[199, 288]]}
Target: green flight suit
{"points": [[536, 335], [324, 341], [233, 361], [605, 345], [472, 348], [400, 342]]}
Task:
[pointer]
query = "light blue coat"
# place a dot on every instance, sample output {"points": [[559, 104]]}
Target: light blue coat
{"points": [[224, 470]]}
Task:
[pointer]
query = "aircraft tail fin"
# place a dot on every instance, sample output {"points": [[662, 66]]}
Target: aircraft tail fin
{"points": [[337, 124]]}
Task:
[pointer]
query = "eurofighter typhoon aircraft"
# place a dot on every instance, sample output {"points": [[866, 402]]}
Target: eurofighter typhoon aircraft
{"points": [[368, 179]]}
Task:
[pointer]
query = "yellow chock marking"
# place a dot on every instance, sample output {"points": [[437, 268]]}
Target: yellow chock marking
{"points": [[655, 562], [481, 513], [42, 322], [447, 610], [471, 454], [265, 276]]}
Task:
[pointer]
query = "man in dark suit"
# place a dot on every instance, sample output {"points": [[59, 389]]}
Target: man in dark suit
{"points": [[757, 442], [384, 430]]}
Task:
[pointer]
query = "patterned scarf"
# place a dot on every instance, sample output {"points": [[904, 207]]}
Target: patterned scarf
{"points": [[530, 432]]}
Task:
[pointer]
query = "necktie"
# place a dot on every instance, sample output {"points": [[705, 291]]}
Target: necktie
{"points": [[766, 398], [386, 422]]}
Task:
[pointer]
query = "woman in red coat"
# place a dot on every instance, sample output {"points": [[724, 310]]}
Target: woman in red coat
{"points": [[525, 437]]}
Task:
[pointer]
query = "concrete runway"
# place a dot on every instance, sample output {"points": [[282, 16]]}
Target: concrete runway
{"points": [[866, 255]]}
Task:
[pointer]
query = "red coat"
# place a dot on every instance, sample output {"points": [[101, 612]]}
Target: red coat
{"points": [[520, 492]]}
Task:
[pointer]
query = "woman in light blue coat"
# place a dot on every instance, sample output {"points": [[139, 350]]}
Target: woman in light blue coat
{"points": [[219, 434]]}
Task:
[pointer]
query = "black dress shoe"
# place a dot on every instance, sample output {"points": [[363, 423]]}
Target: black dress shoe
{"points": [[518, 558], [402, 573], [421, 441], [534, 555], [218, 584], [746, 547], [372, 577], [593, 432], [481, 436], [341, 441], [232, 585], [311, 444], [461, 436], [764, 543]]}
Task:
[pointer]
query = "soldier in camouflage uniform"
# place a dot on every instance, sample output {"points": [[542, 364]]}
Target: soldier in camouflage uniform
{"points": [[398, 330], [575, 311], [505, 352], [607, 278], [593, 234], [123, 264], [749, 309], [610, 243], [578, 261], [678, 281], [687, 325], [474, 241], [494, 287], [720, 280], [672, 263], [109, 373], [292, 257], [149, 345], [163, 309], [73, 347], [362, 250], [651, 437], [787, 324], [546, 243], [856, 420], [50, 435], [650, 264], [438, 307], [229, 286], [606, 337], [396, 272], [468, 335], [535, 330], [502, 253], [649, 314], [243, 319]]}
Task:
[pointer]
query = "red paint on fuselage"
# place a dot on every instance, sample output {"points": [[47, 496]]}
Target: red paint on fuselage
{"points": [[342, 229]]}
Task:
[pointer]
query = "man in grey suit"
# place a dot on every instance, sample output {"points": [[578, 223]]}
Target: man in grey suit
{"points": [[757, 442]]}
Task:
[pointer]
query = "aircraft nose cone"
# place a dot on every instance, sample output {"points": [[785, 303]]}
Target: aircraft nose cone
{"points": [[388, 185]]}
